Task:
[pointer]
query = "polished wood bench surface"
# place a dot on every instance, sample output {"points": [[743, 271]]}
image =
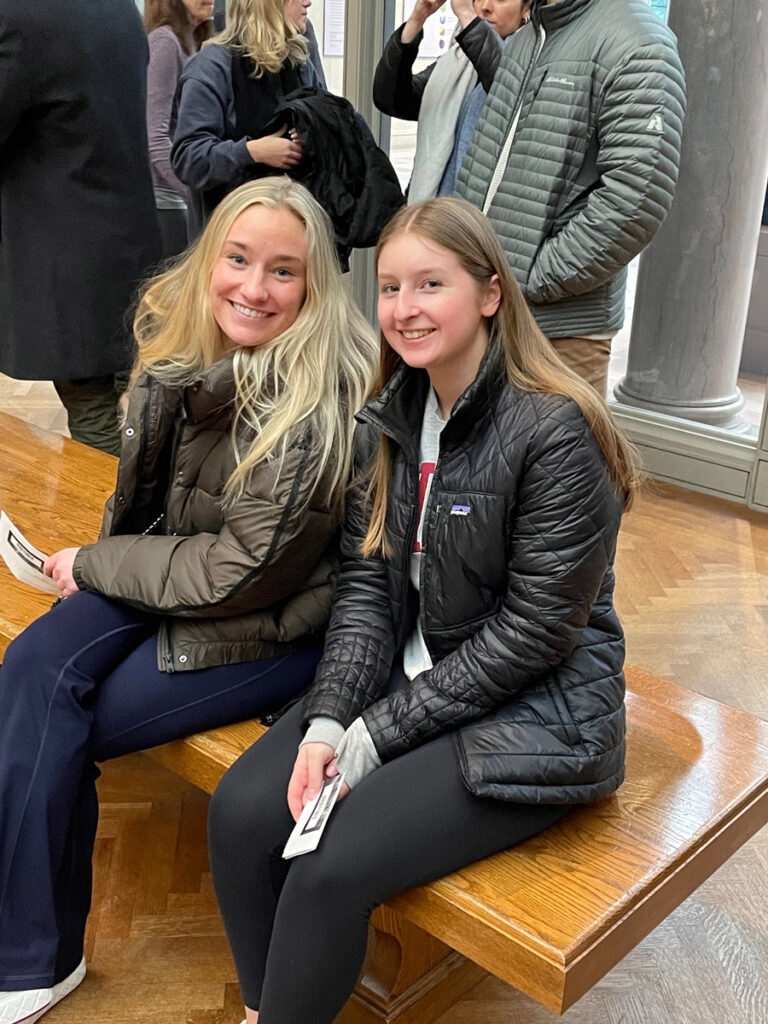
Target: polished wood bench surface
{"points": [[553, 915], [550, 916], [54, 491]]}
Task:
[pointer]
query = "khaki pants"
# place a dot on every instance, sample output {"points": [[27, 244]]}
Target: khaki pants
{"points": [[92, 414], [588, 357]]}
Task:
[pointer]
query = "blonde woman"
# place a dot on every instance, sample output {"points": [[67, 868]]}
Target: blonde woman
{"points": [[471, 688], [205, 599], [229, 92]]}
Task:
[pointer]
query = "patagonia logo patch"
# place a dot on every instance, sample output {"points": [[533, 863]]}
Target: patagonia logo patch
{"points": [[460, 510]]}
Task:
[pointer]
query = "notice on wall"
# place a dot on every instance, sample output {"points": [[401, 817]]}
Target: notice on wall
{"points": [[438, 30], [333, 28]]}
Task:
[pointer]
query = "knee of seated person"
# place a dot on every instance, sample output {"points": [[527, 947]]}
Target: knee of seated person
{"points": [[325, 878], [240, 808], [24, 654]]}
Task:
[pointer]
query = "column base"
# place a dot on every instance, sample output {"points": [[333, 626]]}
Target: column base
{"points": [[409, 977], [718, 412]]}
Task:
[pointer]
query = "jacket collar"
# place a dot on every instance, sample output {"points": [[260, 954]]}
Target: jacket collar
{"points": [[555, 16], [212, 391], [399, 409]]}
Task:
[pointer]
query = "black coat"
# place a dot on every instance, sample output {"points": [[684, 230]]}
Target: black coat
{"points": [[78, 226], [343, 168], [516, 596]]}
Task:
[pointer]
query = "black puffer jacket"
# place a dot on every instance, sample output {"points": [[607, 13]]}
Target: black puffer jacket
{"points": [[516, 596], [343, 168]]}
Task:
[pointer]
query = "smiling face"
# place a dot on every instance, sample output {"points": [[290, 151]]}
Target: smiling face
{"points": [[432, 311], [198, 11], [296, 11], [506, 16], [258, 282]]}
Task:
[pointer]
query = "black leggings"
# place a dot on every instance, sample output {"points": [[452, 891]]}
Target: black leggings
{"points": [[298, 928]]}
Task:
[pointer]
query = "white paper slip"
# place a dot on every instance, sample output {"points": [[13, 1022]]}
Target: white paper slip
{"points": [[313, 819], [24, 561]]}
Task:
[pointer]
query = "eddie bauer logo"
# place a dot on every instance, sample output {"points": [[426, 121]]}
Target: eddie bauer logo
{"points": [[656, 124], [559, 80]]}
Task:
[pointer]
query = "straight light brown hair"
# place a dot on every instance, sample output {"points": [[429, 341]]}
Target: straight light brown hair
{"points": [[174, 14], [531, 362]]}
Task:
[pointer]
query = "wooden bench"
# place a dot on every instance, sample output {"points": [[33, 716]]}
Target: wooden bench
{"points": [[551, 916]]}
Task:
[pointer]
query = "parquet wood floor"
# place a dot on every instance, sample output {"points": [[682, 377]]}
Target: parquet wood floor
{"points": [[693, 596]]}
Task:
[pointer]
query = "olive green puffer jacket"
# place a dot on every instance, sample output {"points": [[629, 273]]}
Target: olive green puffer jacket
{"points": [[248, 582], [582, 132]]}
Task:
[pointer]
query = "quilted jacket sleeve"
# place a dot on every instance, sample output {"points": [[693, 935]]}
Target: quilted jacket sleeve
{"points": [[563, 543], [270, 541], [359, 645], [639, 130]]}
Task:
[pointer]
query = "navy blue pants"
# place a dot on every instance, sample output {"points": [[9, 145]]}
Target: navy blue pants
{"points": [[81, 685]]}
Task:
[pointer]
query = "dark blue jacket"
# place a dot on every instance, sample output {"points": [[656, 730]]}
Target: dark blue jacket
{"points": [[208, 153]]}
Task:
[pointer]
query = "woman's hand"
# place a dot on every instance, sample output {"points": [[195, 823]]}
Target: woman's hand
{"points": [[420, 13], [59, 567], [276, 151], [464, 11], [315, 762]]}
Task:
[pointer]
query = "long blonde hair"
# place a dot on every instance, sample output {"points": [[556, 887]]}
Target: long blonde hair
{"points": [[531, 362], [261, 29], [309, 381]]}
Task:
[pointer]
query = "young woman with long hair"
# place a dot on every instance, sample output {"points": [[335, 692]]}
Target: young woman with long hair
{"points": [[205, 599], [471, 687], [228, 94], [175, 30]]}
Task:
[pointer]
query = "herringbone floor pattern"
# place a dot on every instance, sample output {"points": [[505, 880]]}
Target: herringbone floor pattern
{"points": [[693, 595]]}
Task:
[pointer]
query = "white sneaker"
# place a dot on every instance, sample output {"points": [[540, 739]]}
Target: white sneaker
{"points": [[28, 1007]]}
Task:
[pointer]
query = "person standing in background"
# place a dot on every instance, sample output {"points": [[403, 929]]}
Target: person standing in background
{"points": [[447, 97], [575, 160], [228, 94], [175, 30], [220, 20], [78, 228]]}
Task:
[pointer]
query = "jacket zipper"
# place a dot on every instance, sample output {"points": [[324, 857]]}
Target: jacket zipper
{"points": [[429, 511], [164, 637], [501, 164], [174, 452], [165, 629]]}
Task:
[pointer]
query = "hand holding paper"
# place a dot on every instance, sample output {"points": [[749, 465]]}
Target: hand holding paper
{"points": [[25, 561], [59, 567]]}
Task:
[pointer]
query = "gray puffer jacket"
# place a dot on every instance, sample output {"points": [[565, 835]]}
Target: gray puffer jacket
{"points": [[248, 581], [516, 598], [583, 125]]}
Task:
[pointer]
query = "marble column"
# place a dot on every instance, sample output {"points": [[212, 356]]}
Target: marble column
{"points": [[695, 278]]}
